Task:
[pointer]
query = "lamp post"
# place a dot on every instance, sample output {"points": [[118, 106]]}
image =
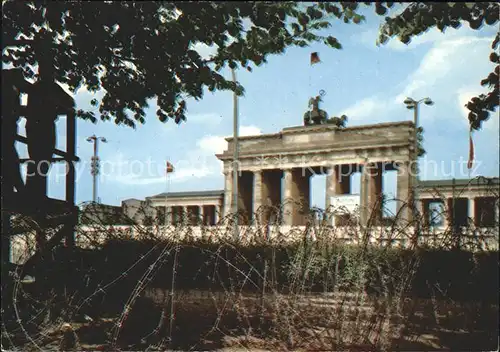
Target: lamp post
{"points": [[235, 159], [364, 193], [413, 104], [94, 170]]}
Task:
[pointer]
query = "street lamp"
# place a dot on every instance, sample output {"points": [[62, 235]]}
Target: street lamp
{"points": [[413, 104], [95, 164], [235, 159]]}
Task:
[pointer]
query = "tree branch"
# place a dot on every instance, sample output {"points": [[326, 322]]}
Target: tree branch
{"points": [[16, 42]]}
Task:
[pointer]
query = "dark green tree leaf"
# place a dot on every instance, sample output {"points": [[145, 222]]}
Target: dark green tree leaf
{"points": [[137, 51]]}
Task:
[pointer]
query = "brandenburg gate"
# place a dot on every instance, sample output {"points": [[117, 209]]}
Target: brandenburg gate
{"points": [[275, 169]]}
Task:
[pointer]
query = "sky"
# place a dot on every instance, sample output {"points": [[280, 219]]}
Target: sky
{"points": [[363, 81]]}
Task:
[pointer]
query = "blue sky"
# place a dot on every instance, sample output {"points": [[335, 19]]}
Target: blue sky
{"points": [[366, 82]]}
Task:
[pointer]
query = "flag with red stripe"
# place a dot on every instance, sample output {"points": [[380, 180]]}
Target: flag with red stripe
{"points": [[471, 152], [170, 167], [315, 58]]}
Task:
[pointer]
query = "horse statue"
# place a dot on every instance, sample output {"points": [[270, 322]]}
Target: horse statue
{"points": [[315, 116], [340, 122]]}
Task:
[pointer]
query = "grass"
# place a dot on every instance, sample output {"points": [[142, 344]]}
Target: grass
{"points": [[157, 293]]}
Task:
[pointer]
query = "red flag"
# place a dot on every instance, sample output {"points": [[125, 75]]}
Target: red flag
{"points": [[170, 167], [471, 152], [315, 58]]}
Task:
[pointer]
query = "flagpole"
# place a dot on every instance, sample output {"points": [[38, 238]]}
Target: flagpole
{"points": [[168, 190], [166, 194]]}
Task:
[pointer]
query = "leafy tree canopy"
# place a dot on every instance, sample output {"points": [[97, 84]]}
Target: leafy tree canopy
{"points": [[417, 18], [136, 51]]}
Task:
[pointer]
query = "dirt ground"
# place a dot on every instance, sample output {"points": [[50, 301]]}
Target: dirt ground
{"points": [[212, 322]]}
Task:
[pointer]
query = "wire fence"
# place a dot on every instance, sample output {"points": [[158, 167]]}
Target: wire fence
{"points": [[157, 287]]}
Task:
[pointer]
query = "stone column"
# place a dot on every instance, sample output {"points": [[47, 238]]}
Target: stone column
{"points": [[184, 215], [168, 215], [364, 201], [403, 208], [287, 197], [201, 213], [257, 196], [497, 211], [297, 191], [173, 215], [424, 209], [332, 178], [271, 194], [446, 214], [338, 182], [228, 193], [245, 197], [420, 208], [452, 212], [217, 213], [302, 179], [472, 211], [373, 208]]}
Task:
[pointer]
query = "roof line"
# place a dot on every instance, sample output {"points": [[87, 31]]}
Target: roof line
{"points": [[189, 194]]}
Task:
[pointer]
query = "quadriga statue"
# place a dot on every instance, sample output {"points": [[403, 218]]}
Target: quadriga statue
{"points": [[315, 116], [340, 122]]}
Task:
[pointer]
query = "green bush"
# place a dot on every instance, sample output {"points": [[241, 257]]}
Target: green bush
{"points": [[301, 267]]}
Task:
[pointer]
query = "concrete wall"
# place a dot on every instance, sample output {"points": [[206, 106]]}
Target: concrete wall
{"points": [[472, 239], [139, 211]]}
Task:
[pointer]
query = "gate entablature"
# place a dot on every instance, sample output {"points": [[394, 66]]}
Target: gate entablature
{"points": [[323, 145]]}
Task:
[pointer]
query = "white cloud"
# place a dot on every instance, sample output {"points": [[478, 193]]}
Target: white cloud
{"points": [[208, 118], [186, 173], [217, 144], [119, 169], [249, 131], [431, 36], [212, 144], [451, 63], [180, 175], [364, 109]]}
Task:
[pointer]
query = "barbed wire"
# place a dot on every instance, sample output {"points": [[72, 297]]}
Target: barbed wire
{"points": [[274, 286]]}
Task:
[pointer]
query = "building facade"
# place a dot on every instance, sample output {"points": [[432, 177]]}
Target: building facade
{"points": [[275, 172], [197, 208]]}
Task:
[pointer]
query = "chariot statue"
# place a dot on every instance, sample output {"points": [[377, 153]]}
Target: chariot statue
{"points": [[316, 116]]}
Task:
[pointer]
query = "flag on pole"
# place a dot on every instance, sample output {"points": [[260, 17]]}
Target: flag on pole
{"points": [[471, 151], [315, 58], [170, 167]]}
